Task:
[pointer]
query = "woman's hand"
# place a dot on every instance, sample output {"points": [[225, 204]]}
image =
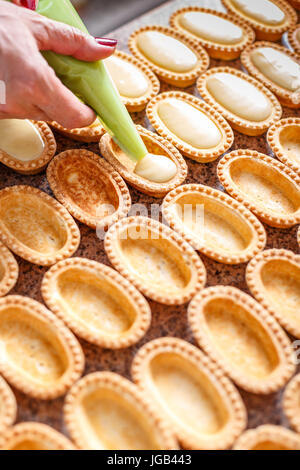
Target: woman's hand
{"points": [[33, 90]]}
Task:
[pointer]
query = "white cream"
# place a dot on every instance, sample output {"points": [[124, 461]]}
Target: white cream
{"points": [[263, 11], [189, 124], [211, 27], [166, 52], [239, 97], [130, 81], [278, 67], [156, 168], [20, 139]]}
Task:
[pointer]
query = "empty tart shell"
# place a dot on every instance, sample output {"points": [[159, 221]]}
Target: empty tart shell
{"points": [[105, 411], [159, 262], [242, 125], [242, 338], [125, 166], [39, 355], [35, 226], [293, 37], [190, 393], [286, 97], [268, 437], [96, 302], [284, 141], [215, 49], [179, 79], [8, 407], [139, 103], [89, 188], [265, 31], [203, 154], [88, 134], [9, 270], [267, 187], [36, 165], [34, 436], [291, 402], [273, 278], [214, 223]]}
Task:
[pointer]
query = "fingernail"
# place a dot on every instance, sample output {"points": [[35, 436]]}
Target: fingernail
{"points": [[31, 4], [106, 42]]}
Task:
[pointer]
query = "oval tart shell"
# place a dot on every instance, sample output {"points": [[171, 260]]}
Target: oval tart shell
{"points": [[268, 437], [242, 338], [190, 393], [8, 407], [298, 237], [125, 166], [97, 201], [37, 165], [34, 436], [35, 226], [267, 187], [239, 124], [265, 31], [181, 80], [273, 278], [106, 399], [82, 134], [295, 4], [9, 270], [284, 141], [216, 50], [291, 402], [159, 262], [123, 314], [234, 234], [40, 356], [199, 155], [293, 36]]}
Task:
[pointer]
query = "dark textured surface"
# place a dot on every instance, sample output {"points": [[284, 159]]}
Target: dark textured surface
{"points": [[167, 321]]}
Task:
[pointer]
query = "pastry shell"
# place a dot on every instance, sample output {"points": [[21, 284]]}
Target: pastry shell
{"points": [[199, 155], [268, 173], [37, 165], [298, 237], [34, 436], [241, 125], [86, 195], [8, 407], [293, 40], [49, 362], [281, 136], [216, 50], [268, 437], [121, 401], [285, 97], [9, 270], [81, 134], [125, 166], [278, 270], [227, 309], [130, 314], [264, 31], [147, 252], [206, 412], [42, 212], [183, 79], [295, 4], [291, 402], [229, 216]]}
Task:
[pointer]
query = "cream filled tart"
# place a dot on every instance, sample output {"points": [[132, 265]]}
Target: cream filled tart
{"points": [[223, 36], [214, 223], [242, 338], [194, 127], [172, 56], [293, 37], [264, 185], [8, 407], [105, 411], [9, 270], [26, 146], [269, 18], [89, 188], [248, 105], [291, 402], [155, 179], [268, 437], [88, 134], [284, 141]]}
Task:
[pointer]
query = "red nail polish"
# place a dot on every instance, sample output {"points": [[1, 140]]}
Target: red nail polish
{"points": [[107, 42], [31, 4]]}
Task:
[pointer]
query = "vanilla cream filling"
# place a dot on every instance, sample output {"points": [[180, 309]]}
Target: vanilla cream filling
{"points": [[239, 97], [129, 80], [189, 124], [263, 11], [20, 139], [166, 52], [211, 27], [278, 67], [156, 168]]}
